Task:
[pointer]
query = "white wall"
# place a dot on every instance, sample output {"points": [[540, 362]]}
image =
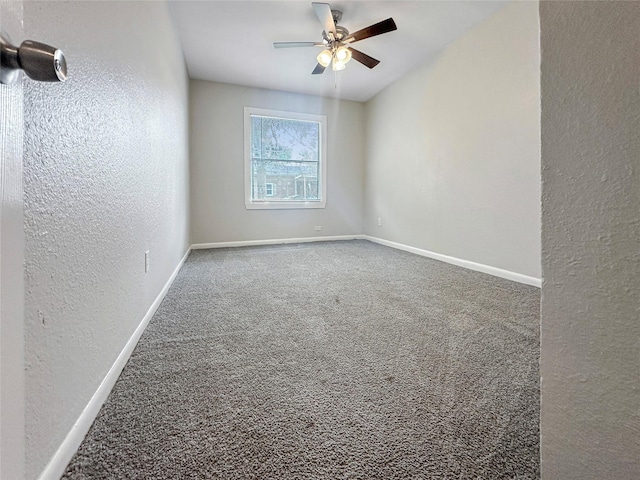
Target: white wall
{"points": [[453, 149], [218, 212], [106, 178], [590, 308]]}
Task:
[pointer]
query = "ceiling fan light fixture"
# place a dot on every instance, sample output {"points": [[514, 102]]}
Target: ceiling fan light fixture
{"points": [[324, 58], [338, 65], [343, 54], [337, 40]]}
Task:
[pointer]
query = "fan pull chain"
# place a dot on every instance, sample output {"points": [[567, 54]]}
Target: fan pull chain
{"points": [[336, 73]]}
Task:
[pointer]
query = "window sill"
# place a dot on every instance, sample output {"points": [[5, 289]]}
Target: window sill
{"points": [[284, 205]]}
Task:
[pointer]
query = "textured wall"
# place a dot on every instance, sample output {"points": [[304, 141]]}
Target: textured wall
{"points": [[590, 309], [218, 212], [11, 261], [453, 149], [106, 178]]}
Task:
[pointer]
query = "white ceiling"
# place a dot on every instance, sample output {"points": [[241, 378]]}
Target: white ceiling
{"points": [[232, 41]]}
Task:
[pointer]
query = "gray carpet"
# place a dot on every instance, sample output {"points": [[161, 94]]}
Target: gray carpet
{"points": [[335, 360]]}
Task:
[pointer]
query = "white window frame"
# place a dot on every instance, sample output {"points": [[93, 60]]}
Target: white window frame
{"points": [[322, 177]]}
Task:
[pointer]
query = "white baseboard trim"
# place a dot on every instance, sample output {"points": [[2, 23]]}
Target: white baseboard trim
{"points": [[58, 463], [479, 267], [275, 241]]}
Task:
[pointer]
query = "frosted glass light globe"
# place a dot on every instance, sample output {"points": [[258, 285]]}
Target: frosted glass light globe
{"points": [[343, 54], [324, 58]]}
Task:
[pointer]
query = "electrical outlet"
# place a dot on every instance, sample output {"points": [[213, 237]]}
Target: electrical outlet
{"points": [[379, 221], [146, 261], [318, 228]]}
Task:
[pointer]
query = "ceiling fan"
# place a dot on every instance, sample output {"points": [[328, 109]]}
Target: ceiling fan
{"points": [[337, 41]]}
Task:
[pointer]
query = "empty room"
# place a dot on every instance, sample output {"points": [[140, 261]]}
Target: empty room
{"points": [[310, 240]]}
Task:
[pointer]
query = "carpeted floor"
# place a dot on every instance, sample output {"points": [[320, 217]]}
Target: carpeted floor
{"points": [[333, 360]]}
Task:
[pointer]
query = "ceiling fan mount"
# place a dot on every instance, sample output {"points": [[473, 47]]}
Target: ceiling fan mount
{"points": [[337, 16], [337, 41]]}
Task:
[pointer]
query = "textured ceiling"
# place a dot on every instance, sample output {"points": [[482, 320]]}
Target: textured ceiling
{"points": [[232, 41]]}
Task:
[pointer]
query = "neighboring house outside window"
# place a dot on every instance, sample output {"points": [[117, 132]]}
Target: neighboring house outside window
{"points": [[285, 159]]}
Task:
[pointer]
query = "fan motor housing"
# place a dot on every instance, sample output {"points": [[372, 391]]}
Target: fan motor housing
{"points": [[341, 33]]}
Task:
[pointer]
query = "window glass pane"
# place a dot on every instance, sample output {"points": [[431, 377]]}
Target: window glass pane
{"points": [[290, 180], [285, 157]]}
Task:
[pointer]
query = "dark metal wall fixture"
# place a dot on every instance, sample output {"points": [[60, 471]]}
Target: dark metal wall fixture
{"points": [[39, 61]]}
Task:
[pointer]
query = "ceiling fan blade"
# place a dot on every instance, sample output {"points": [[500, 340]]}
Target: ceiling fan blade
{"points": [[318, 70], [379, 28], [323, 11], [363, 58], [297, 44]]}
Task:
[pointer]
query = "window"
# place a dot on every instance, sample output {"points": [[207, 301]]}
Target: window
{"points": [[269, 189], [285, 159]]}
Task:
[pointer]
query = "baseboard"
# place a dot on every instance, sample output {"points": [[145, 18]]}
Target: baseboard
{"points": [[278, 241], [58, 463], [479, 267]]}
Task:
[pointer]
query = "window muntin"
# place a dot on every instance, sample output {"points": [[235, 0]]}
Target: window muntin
{"points": [[285, 164]]}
